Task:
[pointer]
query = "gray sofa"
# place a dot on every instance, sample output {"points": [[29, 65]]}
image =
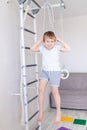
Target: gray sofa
{"points": [[73, 92]]}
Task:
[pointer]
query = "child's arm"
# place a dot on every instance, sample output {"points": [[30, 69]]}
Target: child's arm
{"points": [[65, 47], [35, 47]]}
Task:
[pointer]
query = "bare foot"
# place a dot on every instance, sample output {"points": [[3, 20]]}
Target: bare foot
{"points": [[40, 118], [57, 121], [58, 117]]}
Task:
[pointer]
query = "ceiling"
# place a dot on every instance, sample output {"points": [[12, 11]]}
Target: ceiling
{"points": [[73, 7]]}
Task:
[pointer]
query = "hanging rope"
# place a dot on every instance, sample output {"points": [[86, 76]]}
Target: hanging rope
{"points": [[48, 9], [64, 71], [50, 15]]}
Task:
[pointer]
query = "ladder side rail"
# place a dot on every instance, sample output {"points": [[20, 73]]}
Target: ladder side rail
{"points": [[23, 70], [36, 62]]}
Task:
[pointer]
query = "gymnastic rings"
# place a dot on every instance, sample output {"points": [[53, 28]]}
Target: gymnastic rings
{"points": [[64, 73]]}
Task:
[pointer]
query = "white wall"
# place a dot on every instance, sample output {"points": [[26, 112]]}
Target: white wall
{"points": [[9, 66], [73, 31]]}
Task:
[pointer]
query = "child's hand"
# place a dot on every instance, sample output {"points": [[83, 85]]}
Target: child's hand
{"points": [[58, 39], [41, 39]]}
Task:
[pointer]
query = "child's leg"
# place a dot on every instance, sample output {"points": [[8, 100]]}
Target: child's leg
{"points": [[41, 91], [56, 96]]}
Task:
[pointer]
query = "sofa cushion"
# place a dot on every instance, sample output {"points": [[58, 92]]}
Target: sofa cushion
{"points": [[73, 92], [71, 99], [75, 81]]}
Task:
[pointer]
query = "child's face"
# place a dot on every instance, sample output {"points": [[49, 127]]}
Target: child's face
{"points": [[49, 43]]}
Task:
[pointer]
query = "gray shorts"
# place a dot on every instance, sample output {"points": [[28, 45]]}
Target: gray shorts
{"points": [[52, 76]]}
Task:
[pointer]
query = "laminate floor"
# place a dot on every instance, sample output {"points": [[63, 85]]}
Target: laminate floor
{"points": [[49, 117]]}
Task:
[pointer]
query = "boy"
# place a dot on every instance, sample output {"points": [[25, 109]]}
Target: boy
{"points": [[51, 72]]}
